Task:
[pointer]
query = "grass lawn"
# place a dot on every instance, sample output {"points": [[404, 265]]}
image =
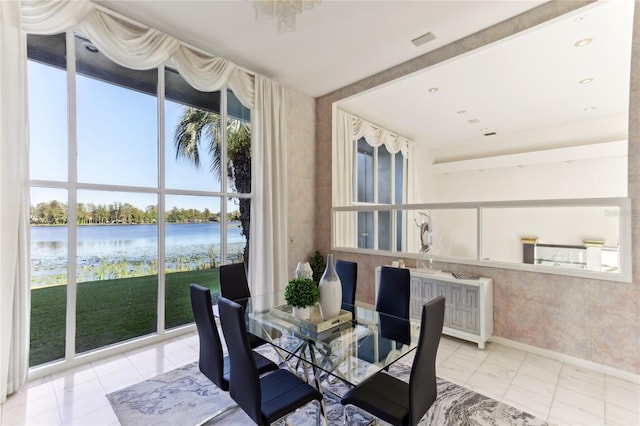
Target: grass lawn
{"points": [[110, 311]]}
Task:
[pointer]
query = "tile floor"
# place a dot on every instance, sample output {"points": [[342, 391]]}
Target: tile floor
{"points": [[560, 393]]}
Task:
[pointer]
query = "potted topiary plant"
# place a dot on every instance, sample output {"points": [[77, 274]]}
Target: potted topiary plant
{"points": [[317, 266], [300, 294]]}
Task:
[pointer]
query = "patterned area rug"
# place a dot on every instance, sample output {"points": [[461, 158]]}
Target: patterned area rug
{"points": [[186, 397]]}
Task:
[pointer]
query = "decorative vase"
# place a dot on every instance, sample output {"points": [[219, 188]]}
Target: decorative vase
{"points": [[330, 289], [301, 313], [303, 270]]}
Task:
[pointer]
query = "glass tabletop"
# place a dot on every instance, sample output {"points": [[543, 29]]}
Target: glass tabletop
{"points": [[350, 347]]}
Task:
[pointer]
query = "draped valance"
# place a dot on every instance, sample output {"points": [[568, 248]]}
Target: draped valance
{"points": [[349, 128], [135, 46], [377, 135]]}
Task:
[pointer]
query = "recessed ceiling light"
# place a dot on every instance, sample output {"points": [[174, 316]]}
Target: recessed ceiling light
{"points": [[433, 90], [462, 111], [473, 121], [586, 81], [484, 129], [583, 42], [591, 108]]}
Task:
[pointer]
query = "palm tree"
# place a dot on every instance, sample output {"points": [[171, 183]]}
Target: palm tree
{"points": [[198, 126]]}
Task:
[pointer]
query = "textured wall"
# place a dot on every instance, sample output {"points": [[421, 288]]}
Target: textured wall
{"points": [[594, 320], [300, 110]]}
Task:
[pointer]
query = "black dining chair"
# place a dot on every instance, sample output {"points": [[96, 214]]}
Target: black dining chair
{"points": [[348, 273], [394, 287], [234, 286], [394, 291], [211, 361], [270, 397], [233, 282], [393, 400]]}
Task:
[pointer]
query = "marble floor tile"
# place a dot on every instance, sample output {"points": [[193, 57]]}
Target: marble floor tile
{"points": [[534, 384], [622, 393], [79, 391], [615, 415], [581, 380], [498, 367], [42, 408], [580, 400], [560, 393], [565, 414], [529, 401], [30, 394], [488, 384], [549, 372], [455, 370], [120, 379]]}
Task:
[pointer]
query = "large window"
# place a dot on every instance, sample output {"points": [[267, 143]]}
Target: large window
{"points": [[140, 185], [379, 179]]}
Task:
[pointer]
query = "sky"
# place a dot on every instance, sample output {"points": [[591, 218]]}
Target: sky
{"points": [[117, 143]]}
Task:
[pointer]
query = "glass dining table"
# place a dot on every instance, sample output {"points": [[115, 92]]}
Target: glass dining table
{"points": [[350, 348]]}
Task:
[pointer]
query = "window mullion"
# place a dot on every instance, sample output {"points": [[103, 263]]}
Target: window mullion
{"points": [[375, 197], [161, 203], [223, 175], [72, 199], [393, 213]]}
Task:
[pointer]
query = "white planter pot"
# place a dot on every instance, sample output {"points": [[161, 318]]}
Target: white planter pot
{"points": [[301, 313]]}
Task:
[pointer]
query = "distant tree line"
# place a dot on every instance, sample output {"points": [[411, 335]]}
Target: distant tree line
{"points": [[56, 213]]}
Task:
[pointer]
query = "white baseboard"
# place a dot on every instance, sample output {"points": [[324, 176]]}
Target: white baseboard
{"points": [[571, 360]]}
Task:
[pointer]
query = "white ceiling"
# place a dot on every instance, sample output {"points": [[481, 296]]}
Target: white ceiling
{"points": [[335, 44], [524, 88]]}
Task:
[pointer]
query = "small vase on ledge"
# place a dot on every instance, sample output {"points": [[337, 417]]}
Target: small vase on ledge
{"points": [[330, 289]]}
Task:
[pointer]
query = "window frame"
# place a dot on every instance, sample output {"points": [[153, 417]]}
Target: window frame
{"points": [[393, 232], [160, 192]]}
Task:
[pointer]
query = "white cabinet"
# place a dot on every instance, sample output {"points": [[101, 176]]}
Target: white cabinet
{"points": [[468, 303]]}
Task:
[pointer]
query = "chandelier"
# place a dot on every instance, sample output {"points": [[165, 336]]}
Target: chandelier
{"points": [[284, 11]]}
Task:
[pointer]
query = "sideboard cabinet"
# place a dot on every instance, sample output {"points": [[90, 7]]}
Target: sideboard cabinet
{"points": [[468, 303]]}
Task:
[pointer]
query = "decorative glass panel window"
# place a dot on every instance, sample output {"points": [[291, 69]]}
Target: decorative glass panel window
{"points": [[379, 179]]}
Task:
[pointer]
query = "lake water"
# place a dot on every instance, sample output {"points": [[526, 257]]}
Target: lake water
{"points": [[187, 246]]}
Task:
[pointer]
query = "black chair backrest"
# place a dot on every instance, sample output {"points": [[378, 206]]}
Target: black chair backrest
{"points": [[233, 282], [396, 329], [348, 273], [423, 389], [393, 291], [211, 360], [245, 381]]}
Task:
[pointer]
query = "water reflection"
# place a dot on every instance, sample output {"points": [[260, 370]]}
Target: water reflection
{"points": [[131, 248]]}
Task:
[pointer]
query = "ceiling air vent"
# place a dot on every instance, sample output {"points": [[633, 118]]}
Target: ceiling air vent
{"points": [[423, 39], [490, 134]]}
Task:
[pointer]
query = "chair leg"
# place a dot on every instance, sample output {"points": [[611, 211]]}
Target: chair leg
{"points": [[321, 415], [218, 414], [345, 418], [345, 415]]}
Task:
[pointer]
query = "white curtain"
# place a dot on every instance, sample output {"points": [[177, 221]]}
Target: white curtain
{"points": [[135, 46], [268, 266], [14, 201], [350, 128]]}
